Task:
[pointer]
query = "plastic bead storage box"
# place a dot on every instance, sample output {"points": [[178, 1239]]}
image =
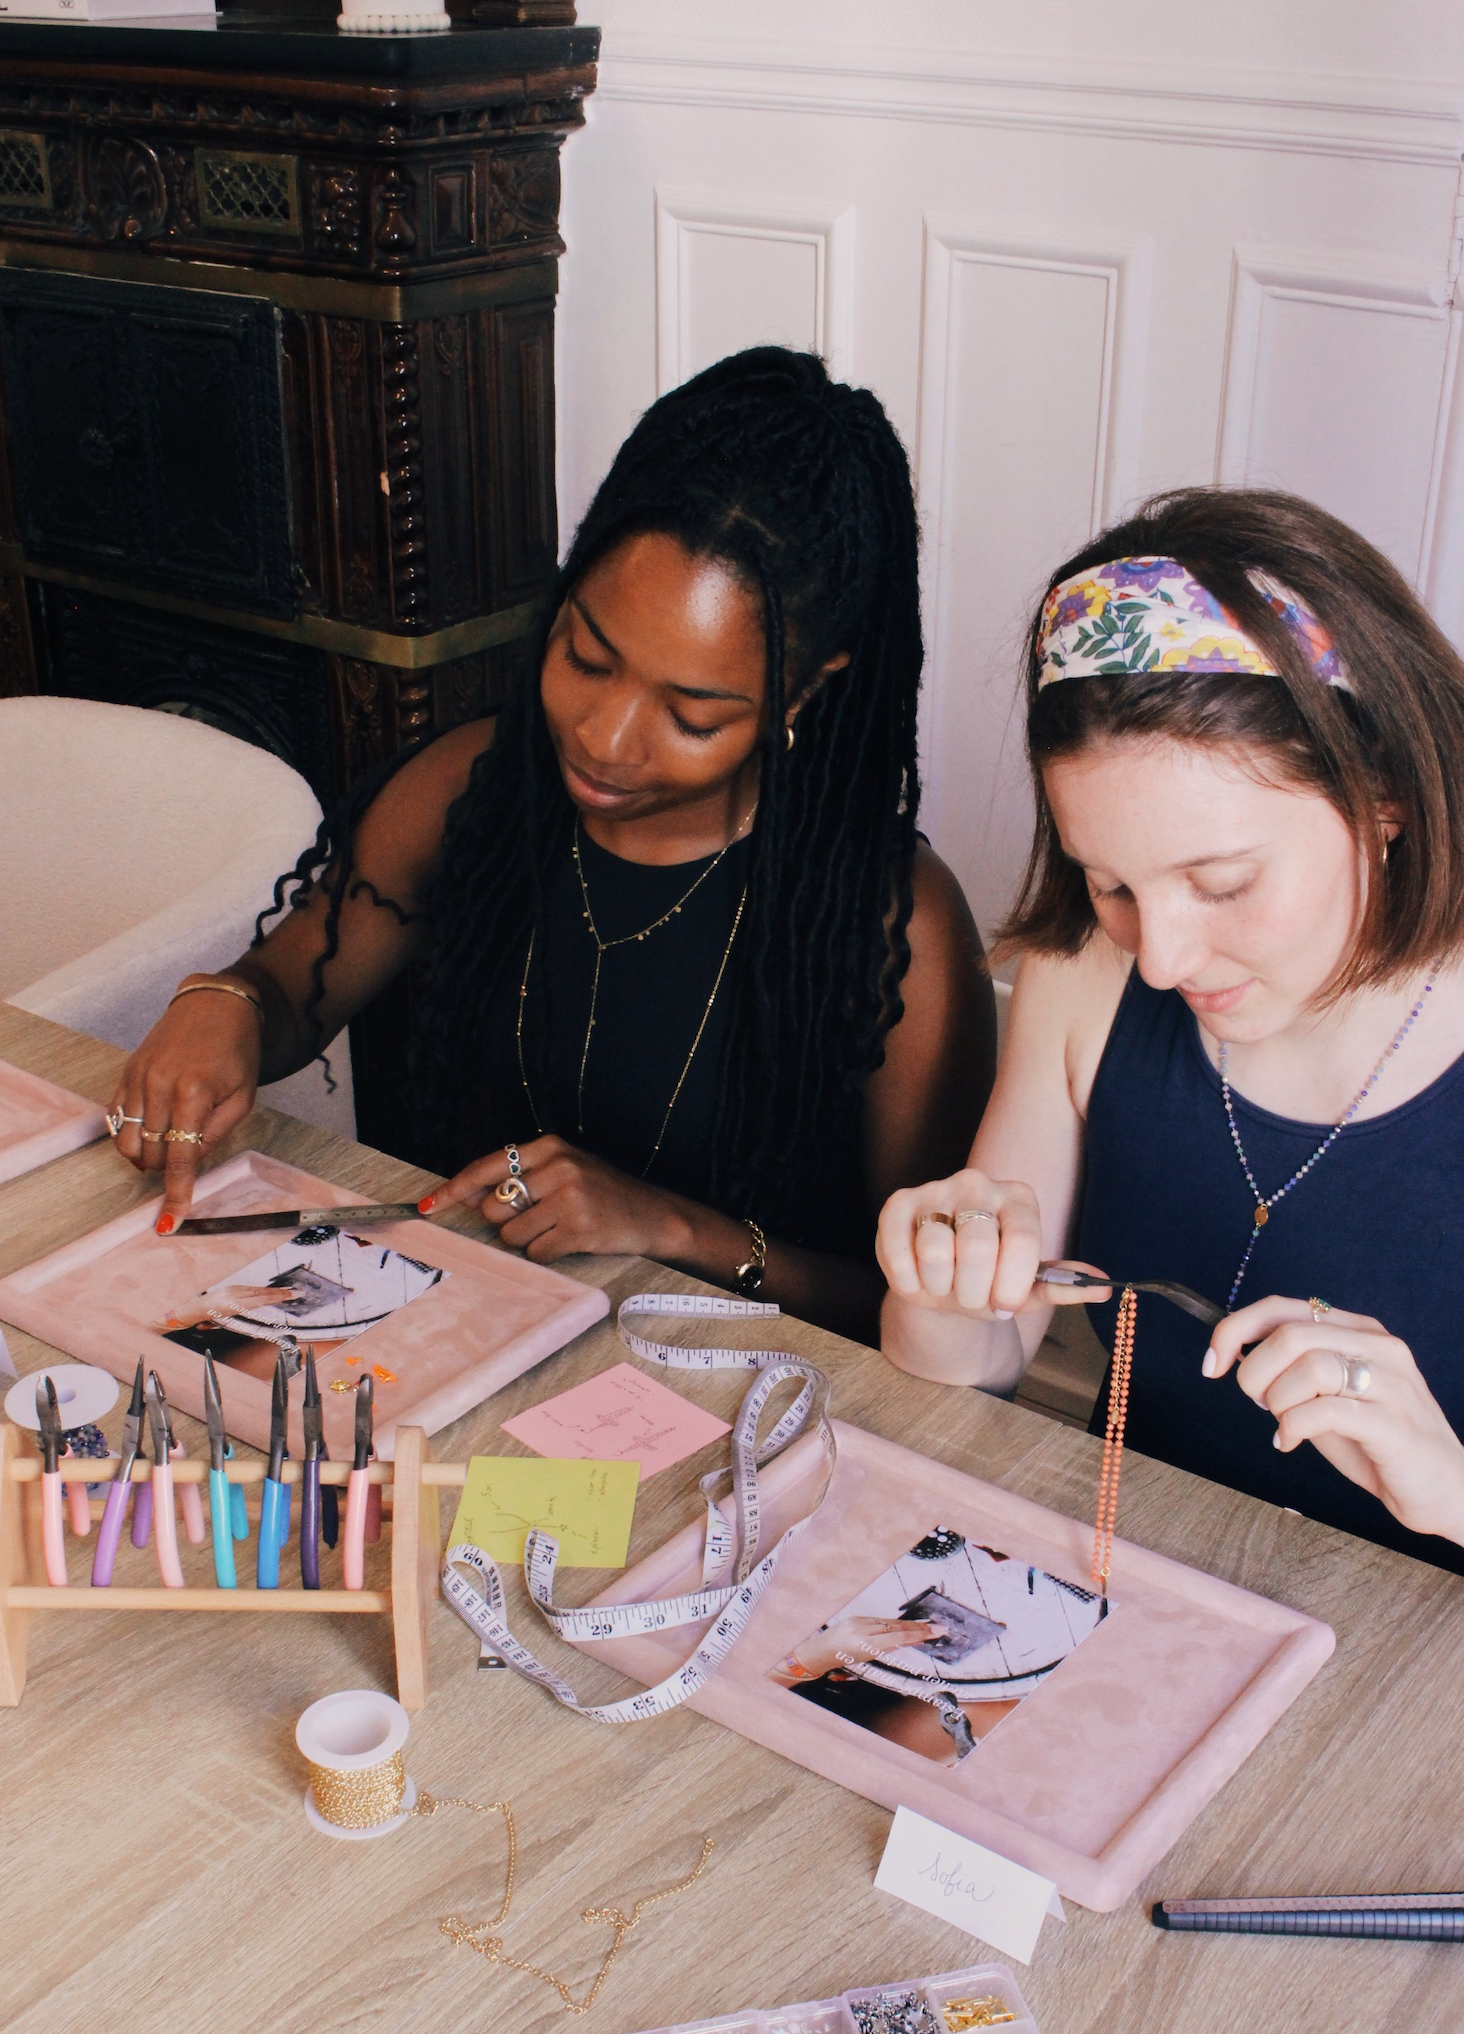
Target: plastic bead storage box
{"points": [[957, 2002]]}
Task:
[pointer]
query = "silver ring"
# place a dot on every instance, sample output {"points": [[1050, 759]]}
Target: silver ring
{"points": [[114, 1119], [964, 1215], [936, 1215], [515, 1163], [514, 1194], [1356, 1376]]}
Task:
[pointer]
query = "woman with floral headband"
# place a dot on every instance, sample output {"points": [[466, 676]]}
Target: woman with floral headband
{"points": [[1236, 1053]]}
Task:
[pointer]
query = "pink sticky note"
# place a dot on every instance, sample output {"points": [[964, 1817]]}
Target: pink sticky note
{"points": [[620, 1416]]}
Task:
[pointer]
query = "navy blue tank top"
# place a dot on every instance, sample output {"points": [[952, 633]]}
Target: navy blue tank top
{"points": [[1376, 1228]]}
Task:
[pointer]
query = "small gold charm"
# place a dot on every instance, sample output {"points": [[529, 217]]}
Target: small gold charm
{"points": [[1263, 1215]]}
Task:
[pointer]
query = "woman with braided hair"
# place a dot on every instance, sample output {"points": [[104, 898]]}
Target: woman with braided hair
{"points": [[695, 988]]}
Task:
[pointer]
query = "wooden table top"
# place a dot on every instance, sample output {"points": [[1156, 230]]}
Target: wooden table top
{"points": [[154, 1859]]}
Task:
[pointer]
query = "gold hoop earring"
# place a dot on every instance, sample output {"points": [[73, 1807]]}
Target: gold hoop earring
{"points": [[788, 731]]}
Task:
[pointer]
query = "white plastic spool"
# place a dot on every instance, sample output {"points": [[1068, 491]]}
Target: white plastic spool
{"points": [[84, 1395], [350, 1733]]}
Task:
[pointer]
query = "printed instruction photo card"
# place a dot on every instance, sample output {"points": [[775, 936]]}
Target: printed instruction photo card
{"points": [[588, 1506], [325, 1286], [943, 1645], [620, 1416]]}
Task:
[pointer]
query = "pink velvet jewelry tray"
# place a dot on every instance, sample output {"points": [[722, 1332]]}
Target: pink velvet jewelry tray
{"points": [[104, 1297], [39, 1121], [1094, 1776]]}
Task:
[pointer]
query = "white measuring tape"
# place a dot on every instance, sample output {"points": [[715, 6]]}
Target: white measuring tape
{"points": [[473, 1586]]}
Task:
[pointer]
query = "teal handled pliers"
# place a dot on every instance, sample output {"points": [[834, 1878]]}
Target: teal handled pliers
{"points": [[220, 1503]]}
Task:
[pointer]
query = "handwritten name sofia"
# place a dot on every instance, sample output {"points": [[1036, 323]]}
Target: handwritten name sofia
{"points": [[952, 1882]]}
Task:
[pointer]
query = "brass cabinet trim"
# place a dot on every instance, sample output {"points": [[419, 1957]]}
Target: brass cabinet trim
{"points": [[317, 632], [331, 296], [213, 166]]}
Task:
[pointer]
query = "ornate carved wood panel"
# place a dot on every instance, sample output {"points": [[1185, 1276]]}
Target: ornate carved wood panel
{"points": [[147, 436]]}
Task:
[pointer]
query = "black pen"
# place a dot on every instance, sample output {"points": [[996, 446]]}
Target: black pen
{"points": [[1392, 1917]]}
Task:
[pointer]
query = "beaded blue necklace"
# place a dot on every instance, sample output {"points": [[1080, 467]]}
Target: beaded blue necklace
{"points": [[1264, 1202]]}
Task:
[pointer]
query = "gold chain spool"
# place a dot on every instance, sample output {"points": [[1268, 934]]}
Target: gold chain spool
{"points": [[360, 1800]]}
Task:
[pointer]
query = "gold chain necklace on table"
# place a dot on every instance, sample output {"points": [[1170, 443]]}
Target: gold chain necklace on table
{"points": [[481, 1937], [602, 947]]}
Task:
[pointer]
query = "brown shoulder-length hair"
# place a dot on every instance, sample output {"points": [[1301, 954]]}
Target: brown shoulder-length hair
{"points": [[1397, 738]]}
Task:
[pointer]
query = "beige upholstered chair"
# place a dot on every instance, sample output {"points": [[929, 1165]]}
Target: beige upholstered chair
{"points": [[136, 846]]}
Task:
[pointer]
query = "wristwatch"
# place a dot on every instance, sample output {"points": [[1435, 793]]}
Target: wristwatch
{"points": [[748, 1277]]}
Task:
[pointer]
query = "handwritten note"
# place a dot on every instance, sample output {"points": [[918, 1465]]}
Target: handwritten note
{"points": [[962, 1882], [619, 1416], [587, 1506]]}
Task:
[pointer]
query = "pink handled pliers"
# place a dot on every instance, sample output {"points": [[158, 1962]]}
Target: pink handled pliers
{"points": [[190, 1495], [164, 1520], [358, 1492], [53, 1447]]}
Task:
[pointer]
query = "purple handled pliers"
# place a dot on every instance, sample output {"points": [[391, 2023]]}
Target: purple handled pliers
{"points": [[111, 1527]]}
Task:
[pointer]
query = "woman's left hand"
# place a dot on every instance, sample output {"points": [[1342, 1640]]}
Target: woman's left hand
{"points": [[1389, 1433], [576, 1203]]}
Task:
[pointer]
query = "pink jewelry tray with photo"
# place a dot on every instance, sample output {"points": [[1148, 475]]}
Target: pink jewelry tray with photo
{"points": [[1094, 1776], [495, 1315], [39, 1121]]}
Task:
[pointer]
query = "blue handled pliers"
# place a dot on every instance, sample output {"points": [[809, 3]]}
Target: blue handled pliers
{"points": [[310, 1494], [220, 1503]]}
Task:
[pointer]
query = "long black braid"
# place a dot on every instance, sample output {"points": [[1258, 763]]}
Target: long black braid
{"points": [[799, 484]]}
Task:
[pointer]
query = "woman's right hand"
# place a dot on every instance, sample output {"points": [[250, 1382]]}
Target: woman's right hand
{"points": [[196, 1073], [984, 1265]]}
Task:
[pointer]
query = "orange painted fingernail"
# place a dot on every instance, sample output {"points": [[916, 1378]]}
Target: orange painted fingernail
{"points": [[165, 1225], [427, 1203]]}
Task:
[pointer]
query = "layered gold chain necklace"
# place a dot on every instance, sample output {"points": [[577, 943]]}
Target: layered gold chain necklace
{"points": [[602, 947]]}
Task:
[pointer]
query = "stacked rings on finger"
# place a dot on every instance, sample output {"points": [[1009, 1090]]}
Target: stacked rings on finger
{"points": [[512, 1191], [964, 1215]]}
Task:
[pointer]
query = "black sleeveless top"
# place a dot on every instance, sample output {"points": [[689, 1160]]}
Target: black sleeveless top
{"points": [[653, 995], [1376, 1228]]}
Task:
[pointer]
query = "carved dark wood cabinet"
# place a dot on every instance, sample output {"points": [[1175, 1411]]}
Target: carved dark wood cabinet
{"points": [[277, 368]]}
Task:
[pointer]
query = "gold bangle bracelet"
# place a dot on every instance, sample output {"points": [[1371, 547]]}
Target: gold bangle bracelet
{"points": [[224, 989]]}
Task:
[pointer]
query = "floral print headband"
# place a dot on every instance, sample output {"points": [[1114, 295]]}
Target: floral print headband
{"points": [[1148, 614]]}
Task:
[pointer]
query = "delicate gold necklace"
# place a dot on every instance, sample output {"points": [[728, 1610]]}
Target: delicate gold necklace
{"points": [[602, 947]]}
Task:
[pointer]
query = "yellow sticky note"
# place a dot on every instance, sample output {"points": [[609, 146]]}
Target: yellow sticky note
{"points": [[587, 1506]]}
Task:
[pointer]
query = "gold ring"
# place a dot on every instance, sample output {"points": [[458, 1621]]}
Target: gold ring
{"points": [[183, 1137], [1320, 1308], [514, 1194], [153, 1136], [964, 1215], [936, 1215]]}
